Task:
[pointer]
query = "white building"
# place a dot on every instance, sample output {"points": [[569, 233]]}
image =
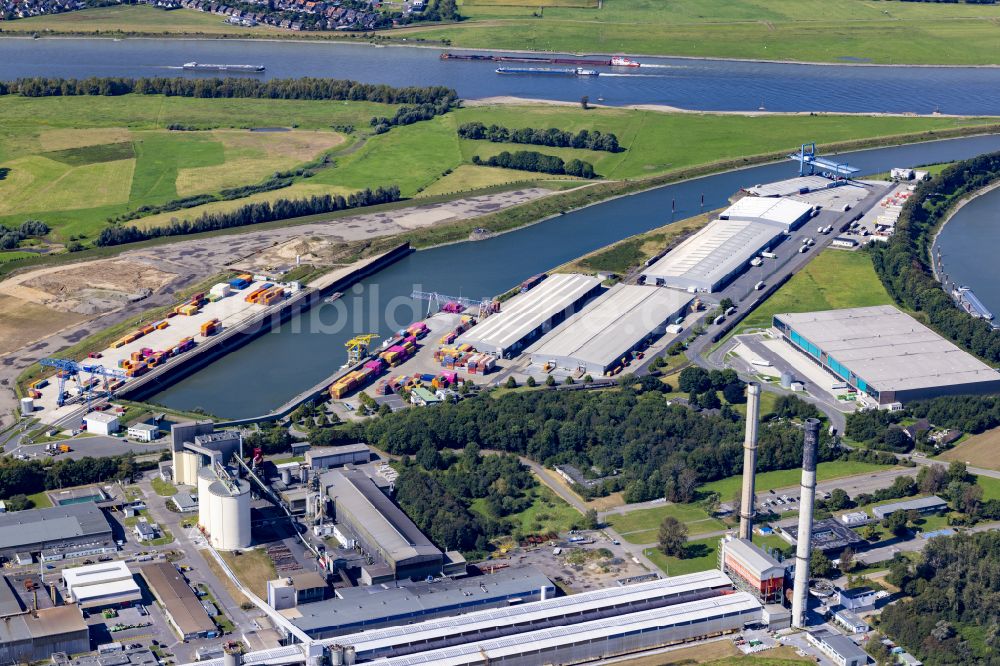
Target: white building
{"points": [[841, 649], [143, 432], [101, 423], [101, 584], [855, 518]]}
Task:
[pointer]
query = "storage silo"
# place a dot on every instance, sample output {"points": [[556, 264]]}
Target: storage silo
{"points": [[230, 514], [27, 406], [206, 477]]}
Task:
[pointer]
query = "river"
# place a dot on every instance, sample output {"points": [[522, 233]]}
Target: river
{"points": [[278, 365], [711, 85], [969, 245]]}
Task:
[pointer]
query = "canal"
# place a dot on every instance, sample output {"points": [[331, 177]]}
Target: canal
{"points": [[969, 244], [276, 366]]}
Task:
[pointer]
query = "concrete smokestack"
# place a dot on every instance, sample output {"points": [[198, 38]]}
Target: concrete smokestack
{"points": [[803, 550], [747, 510]]}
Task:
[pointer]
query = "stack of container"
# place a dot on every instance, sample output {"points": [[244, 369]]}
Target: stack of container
{"points": [[375, 365], [182, 346], [210, 327], [480, 363], [396, 354], [254, 295], [162, 325], [221, 290], [187, 309], [351, 381], [416, 330], [453, 307], [271, 295], [382, 387]]}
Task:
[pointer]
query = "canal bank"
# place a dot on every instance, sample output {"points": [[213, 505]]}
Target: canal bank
{"points": [[304, 351]]}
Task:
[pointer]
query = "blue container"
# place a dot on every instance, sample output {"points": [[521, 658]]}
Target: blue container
{"points": [[426, 378]]}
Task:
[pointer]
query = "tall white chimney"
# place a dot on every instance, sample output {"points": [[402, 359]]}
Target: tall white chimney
{"points": [[747, 509], [800, 591]]}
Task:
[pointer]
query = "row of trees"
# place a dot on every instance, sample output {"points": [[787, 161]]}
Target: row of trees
{"points": [[902, 263], [881, 429], [659, 449], [25, 477], [407, 115], [253, 213], [11, 237], [303, 88], [530, 160], [557, 138]]}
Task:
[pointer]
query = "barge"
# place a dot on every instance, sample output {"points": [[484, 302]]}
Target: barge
{"points": [[614, 61], [548, 71], [210, 67]]}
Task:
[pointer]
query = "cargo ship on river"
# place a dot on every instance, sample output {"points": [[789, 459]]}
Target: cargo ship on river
{"points": [[210, 67], [971, 304], [614, 61], [548, 71]]}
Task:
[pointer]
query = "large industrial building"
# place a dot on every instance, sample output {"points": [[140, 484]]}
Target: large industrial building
{"points": [[602, 336], [103, 584], [224, 508], [753, 570], [368, 520], [325, 457], [527, 316], [73, 530], [887, 355], [180, 604], [372, 607], [717, 253], [32, 636], [922, 505], [196, 444], [828, 535]]}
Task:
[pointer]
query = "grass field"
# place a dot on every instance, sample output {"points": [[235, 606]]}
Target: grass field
{"points": [[14, 255], [798, 30], [40, 500], [253, 567], [642, 526], [783, 478], [982, 450], [701, 556], [163, 488], [835, 279]]}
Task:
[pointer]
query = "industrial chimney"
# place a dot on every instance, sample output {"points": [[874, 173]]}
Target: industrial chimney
{"points": [[800, 592], [747, 510]]}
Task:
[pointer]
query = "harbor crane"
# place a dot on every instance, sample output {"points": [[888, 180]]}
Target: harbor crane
{"points": [[485, 305], [357, 347], [67, 369], [809, 160]]}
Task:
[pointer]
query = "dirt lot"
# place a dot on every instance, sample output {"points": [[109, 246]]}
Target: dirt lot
{"points": [[23, 322], [979, 450], [314, 250]]}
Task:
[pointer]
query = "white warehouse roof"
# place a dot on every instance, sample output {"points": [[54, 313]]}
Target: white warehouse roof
{"points": [[527, 313], [611, 326], [101, 417], [706, 260], [786, 212], [890, 350]]}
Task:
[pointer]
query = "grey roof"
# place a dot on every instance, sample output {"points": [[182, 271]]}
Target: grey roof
{"points": [[356, 493], [611, 325], [185, 501], [920, 504], [889, 349], [10, 603], [840, 644], [357, 607], [753, 556], [21, 529], [828, 535], [525, 313], [144, 426], [320, 452], [847, 617], [704, 261]]}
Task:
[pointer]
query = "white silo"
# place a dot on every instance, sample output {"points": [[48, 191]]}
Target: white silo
{"points": [[206, 477], [27, 406], [230, 514]]}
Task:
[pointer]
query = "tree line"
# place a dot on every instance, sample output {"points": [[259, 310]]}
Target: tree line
{"points": [[902, 263], [407, 115], [252, 213], [11, 237], [307, 88], [530, 160], [881, 429], [658, 449], [25, 477], [585, 139]]}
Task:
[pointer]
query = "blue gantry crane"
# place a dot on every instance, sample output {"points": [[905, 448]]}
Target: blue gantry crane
{"points": [[809, 160], [66, 369]]}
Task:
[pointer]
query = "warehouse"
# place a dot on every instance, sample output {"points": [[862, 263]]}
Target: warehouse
{"points": [[599, 639], [379, 528], [73, 530], [182, 608], [753, 570], [34, 637], [101, 585], [604, 334], [841, 649], [325, 457], [887, 355], [786, 213], [527, 316], [559, 611], [923, 505], [101, 423], [373, 607], [713, 256]]}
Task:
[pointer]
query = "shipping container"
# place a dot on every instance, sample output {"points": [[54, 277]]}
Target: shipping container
{"points": [[162, 325]]}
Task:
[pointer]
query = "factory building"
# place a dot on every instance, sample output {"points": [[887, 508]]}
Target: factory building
{"points": [[196, 444], [841, 649], [753, 570], [599, 639], [303, 588], [372, 607], [712, 257], [886, 355], [603, 335], [786, 213], [55, 533], [224, 508], [101, 585], [922, 505], [527, 316], [368, 520], [180, 604], [101, 423], [325, 457], [27, 636], [828, 535]]}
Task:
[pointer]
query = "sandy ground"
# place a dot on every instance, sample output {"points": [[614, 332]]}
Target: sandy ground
{"points": [[39, 330], [979, 451]]}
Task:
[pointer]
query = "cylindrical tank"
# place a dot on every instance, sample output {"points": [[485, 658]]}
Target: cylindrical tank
{"points": [[786, 380], [230, 515], [28, 408], [286, 475], [205, 479], [336, 655], [350, 655], [304, 474]]}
